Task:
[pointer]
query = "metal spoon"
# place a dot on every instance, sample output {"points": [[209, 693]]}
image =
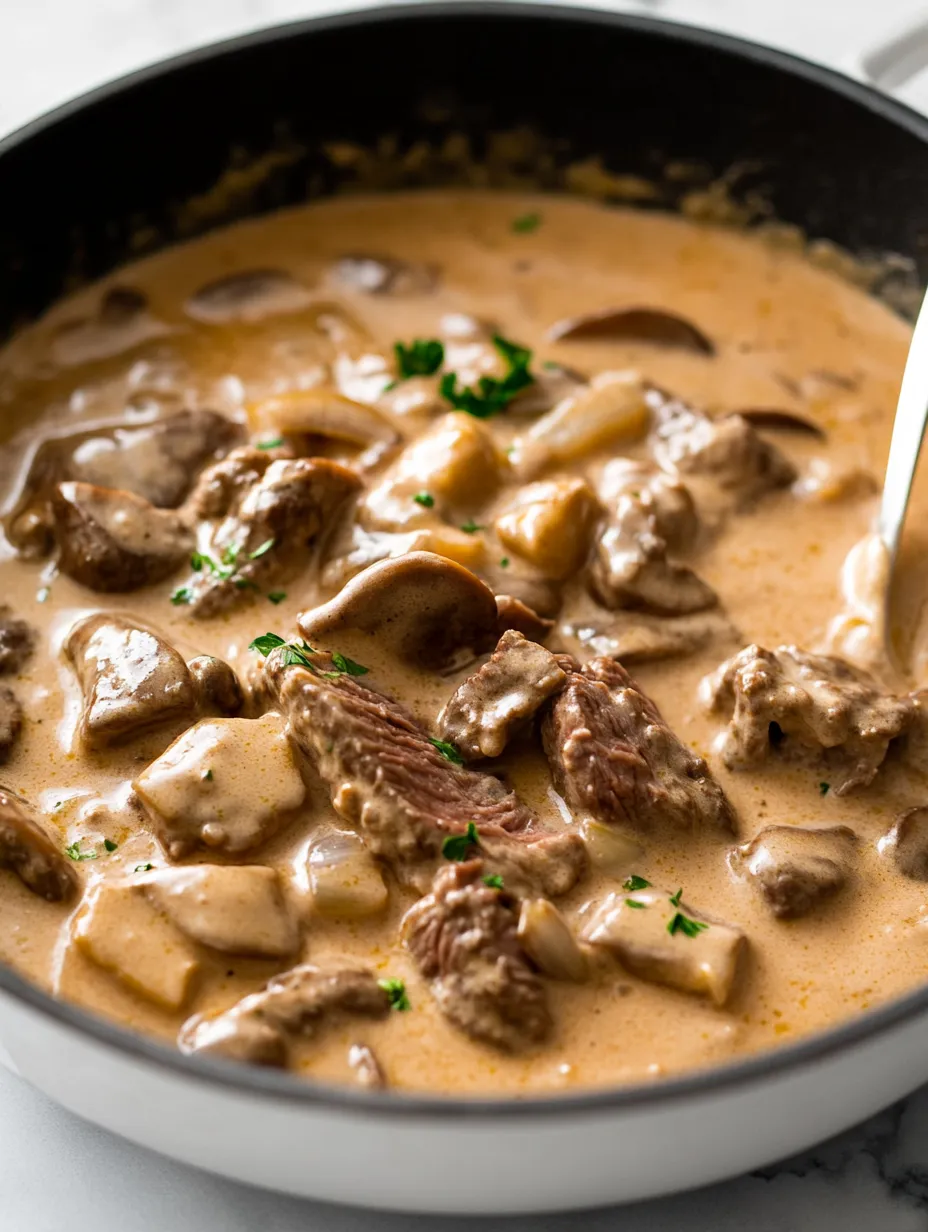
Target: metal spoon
{"points": [[908, 433]]}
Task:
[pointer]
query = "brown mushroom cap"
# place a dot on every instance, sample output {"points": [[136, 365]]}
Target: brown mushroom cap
{"points": [[649, 325], [780, 421], [425, 608]]}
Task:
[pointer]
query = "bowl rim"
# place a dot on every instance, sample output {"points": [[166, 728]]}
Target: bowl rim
{"points": [[237, 1078]]}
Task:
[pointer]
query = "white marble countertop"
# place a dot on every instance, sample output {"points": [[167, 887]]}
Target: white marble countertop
{"points": [[57, 1172]]}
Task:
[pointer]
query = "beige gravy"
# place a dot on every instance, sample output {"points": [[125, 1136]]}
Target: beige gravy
{"points": [[787, 336]]}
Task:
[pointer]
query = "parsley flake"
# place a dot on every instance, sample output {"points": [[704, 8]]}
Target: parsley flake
{"points": [[396, 992], [423, 357], [470, 527], [681, 923], [504, 561], [347, 666], [525, 224], [110, 845], [448, 751], [266, 643], [824, 788], [277, 596], [491, 395], [183, 594], [274, 443], [207, 776], [457, 846], [633, 902], [73, 852], [425, 499], [494, 881], [675, 898], [143, 868], [265, 547], [634, 882]]}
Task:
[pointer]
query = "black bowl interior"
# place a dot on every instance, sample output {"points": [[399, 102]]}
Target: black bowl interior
{"points": [[137, 165]]}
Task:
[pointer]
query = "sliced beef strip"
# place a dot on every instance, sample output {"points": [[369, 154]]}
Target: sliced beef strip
{"points": [[113, 541], [795, 868], [156, 462], [132, 679], [30, 852], [11, 721], [273, 513], [260, 1028], [500, 698], [464, 938], [650, 517], [728, 453], [788, 703], [390, 782], [17, 640], [614, 757]]}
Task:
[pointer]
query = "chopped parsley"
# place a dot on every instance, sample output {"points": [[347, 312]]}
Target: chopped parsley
{"points": [[681, 923], [347, 666], [276, 596], [265, 547], [470, 527], [110, 845], [824, 788], [183, 594], [633, 902], [494, 881], [526, 223], [207, 776], [675, 898], [423, 357], [457, 846], [425, 499], [143, 868], [297, 652], [448, 751], [73, 852], [42, 595], [491, 395], [634, 882], [274, 443], [504, 561], [396, 992]]}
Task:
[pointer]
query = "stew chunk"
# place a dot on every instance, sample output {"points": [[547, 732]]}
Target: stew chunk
{"points": [[464, 938], [28, 850], [794, 868], [613, 756], [791, 704]]}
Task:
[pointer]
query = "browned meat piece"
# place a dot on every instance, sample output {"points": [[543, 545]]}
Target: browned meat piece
{"points": [[132, 679], [30, 852], [514, 614], [614, 757], [273, 513], [650, 517], [795, 868], [906, 844], [808, 707], [11, 720], [464, 938], [549, 865], [258, 1029], [391, 782], [17, 640], [728, 453], [110, 540], [500, 698], [156, 462]]}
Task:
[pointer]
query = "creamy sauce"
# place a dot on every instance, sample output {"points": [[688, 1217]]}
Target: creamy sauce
{"points": [[787, 335]]}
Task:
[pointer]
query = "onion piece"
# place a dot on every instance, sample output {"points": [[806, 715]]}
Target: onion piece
{"points": [[548, 941], [344, 878], [609, 850]]}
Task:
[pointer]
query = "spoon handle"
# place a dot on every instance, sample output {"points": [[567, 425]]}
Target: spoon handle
{"points": [[908, 433]]}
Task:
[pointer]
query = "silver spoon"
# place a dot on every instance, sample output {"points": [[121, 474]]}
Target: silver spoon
{"points": [[908, 434]]}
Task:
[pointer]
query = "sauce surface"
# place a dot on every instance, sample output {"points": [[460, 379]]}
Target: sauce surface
{"points": [[785, 335]]}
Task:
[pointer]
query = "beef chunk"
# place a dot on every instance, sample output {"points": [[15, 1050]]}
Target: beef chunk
{"points": [[273, 512], [464, 938], [505, 694], [650, 517], [156, 462], [259, 1028], [132, 679], [30, 852], [792, 704], [906, 844], [111, 540], [11, 720], [613, 756], [390, 781], [795, 868], [17, 640], [727, 457]]}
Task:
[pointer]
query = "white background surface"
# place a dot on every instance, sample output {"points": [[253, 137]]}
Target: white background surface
{"points": [[57, 1173]]}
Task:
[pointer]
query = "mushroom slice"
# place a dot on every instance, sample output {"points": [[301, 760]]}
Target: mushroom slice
{"points": [[225, 784], [249, 295], [781, 421], [796, 868], [424, 608], [649, 325], [668, 942], [111, 540], [514, 614], [373, 275], [121, 931], [323, 412], [230, 908], [28, 850], [612, 407]]}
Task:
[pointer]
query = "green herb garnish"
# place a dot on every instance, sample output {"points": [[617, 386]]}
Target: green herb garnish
{"points": [[421, 358], [277, 596], [675, 898], [396, 992], [491, 395], [633, 902], [143, 868], [457, 846], [274, 443], [526, 223], [494, 881], [73, 852], [207, 776], [448, 751], [470, 527], [634, 882], [109, 844], [183, 594], [297, 652], [681, 923], [425, 499], [348, 667], [824, 788], [265, 547], [504, 562]]}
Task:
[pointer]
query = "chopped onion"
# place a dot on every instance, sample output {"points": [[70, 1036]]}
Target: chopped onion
{"points": [[609, 850], [548, 941], [344, 878]]}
